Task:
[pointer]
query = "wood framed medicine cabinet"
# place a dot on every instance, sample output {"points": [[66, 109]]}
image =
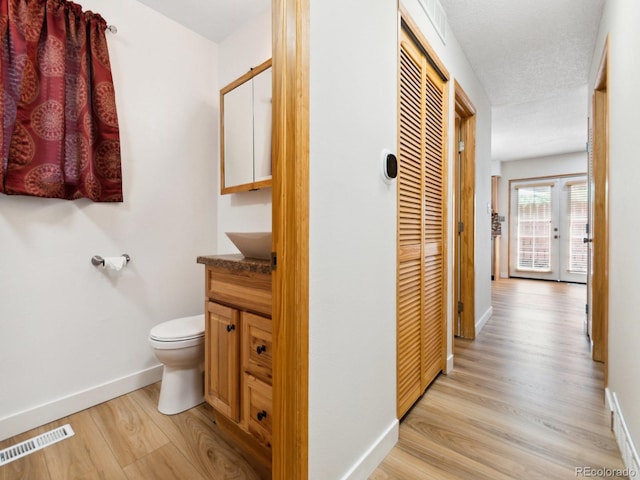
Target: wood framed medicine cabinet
{"points": [[245, 131]]}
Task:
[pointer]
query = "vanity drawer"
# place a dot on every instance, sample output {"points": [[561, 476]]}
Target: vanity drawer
{"points": [[257, 346], [251, 290], [258, 408]]}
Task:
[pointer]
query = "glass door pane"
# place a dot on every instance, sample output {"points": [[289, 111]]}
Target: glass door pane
{"points": [[573, 267], [534, 228]]}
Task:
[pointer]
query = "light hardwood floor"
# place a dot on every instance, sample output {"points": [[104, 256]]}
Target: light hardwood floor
{"points": [[524, 400], [128, 439]]}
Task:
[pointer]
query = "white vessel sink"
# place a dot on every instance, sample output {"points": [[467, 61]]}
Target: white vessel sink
{"points": [[252, 244]]}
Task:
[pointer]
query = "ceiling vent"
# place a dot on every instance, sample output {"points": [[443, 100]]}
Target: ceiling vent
{"points": [[34, 444], [437, 16]]}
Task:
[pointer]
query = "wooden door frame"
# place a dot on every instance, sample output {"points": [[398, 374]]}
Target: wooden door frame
{"points": [[290, 223], [464, 254], [600, 230]]}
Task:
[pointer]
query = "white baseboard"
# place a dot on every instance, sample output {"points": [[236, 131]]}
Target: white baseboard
{"points": [[608, 400], [483, 320], [42, 414], [449, 363], [367, 464], [623, 436]]}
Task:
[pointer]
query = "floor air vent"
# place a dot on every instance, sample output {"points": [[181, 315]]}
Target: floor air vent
{"points": [[37, 443]]}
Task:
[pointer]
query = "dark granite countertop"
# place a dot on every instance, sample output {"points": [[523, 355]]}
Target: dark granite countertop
{"points": [[236, 262]]}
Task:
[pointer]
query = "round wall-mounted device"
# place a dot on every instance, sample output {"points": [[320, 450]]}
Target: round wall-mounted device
{"points": [[389, 166]]}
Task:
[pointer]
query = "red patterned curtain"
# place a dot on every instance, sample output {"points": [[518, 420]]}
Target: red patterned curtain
{"points": [[60, 136]]}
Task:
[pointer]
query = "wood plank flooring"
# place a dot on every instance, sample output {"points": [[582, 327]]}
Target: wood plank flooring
{"points": [[524, 400], [128, 439]]}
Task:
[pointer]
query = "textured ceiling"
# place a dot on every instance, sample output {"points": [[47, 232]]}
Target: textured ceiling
{"points": [[213, 19], [533, 58]]}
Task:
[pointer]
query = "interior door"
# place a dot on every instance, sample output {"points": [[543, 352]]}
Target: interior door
{"points": [[421, 229], [547, 227], [457, 288], [589, 236]]}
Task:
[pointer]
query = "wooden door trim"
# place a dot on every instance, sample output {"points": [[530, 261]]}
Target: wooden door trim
{"points": [[466, 265], [600, 235], [290, 151]]}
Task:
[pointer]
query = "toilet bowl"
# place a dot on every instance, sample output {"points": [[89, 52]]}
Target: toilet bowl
{"points": [[179, 345]]}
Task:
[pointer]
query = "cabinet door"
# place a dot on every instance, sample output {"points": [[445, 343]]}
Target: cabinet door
{"points": [[222, 359], [237, 128], [262, 125], [245, 131]]}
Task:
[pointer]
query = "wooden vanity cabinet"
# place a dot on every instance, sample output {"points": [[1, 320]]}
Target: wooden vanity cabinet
{"points": [[238, 352]]}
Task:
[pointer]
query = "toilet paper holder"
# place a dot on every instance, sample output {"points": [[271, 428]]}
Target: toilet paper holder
{"points": [[98, 260]]}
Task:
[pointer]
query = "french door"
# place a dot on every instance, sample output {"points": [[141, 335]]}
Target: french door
{"points": [[548, 224]]}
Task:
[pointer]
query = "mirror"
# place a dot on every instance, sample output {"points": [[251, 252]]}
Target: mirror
{"points": [[245, 131]]}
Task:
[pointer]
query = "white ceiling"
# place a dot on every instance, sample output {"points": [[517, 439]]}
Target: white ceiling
{"points": [[213, 19], [531, 56]]}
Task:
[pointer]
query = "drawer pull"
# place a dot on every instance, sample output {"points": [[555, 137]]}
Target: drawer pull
{"points": [[230, 328], [261, 348], [261, 415]]}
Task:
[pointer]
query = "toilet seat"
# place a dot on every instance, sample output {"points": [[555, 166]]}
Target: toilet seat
{"points": [[179, 330]]}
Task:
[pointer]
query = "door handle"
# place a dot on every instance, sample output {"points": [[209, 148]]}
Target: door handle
{"points": [[555, 236], [587, 240]]}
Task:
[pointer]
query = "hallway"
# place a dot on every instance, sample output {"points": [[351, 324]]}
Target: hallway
{"points": [[524, 400]]}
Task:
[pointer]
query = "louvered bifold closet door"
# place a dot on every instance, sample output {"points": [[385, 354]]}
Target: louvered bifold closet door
{"points": [[435, 227], [420, 234], [410, 226]]}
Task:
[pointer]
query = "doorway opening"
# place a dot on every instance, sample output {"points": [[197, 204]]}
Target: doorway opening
{"points": [[598, 275], [548, 224], [464, 208]]}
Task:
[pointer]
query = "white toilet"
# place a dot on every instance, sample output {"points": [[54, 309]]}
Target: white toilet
{"points": [[179, 345]]}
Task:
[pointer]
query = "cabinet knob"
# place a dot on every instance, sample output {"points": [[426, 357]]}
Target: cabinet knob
{"points": [[261, 415], [230, 328], [261, 348]]}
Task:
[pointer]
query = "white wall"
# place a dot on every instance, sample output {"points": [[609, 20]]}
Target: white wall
{"points": [[353, 116], [554, 165], [69, 329], [248, 47], [353, 87], [620, 22]]}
